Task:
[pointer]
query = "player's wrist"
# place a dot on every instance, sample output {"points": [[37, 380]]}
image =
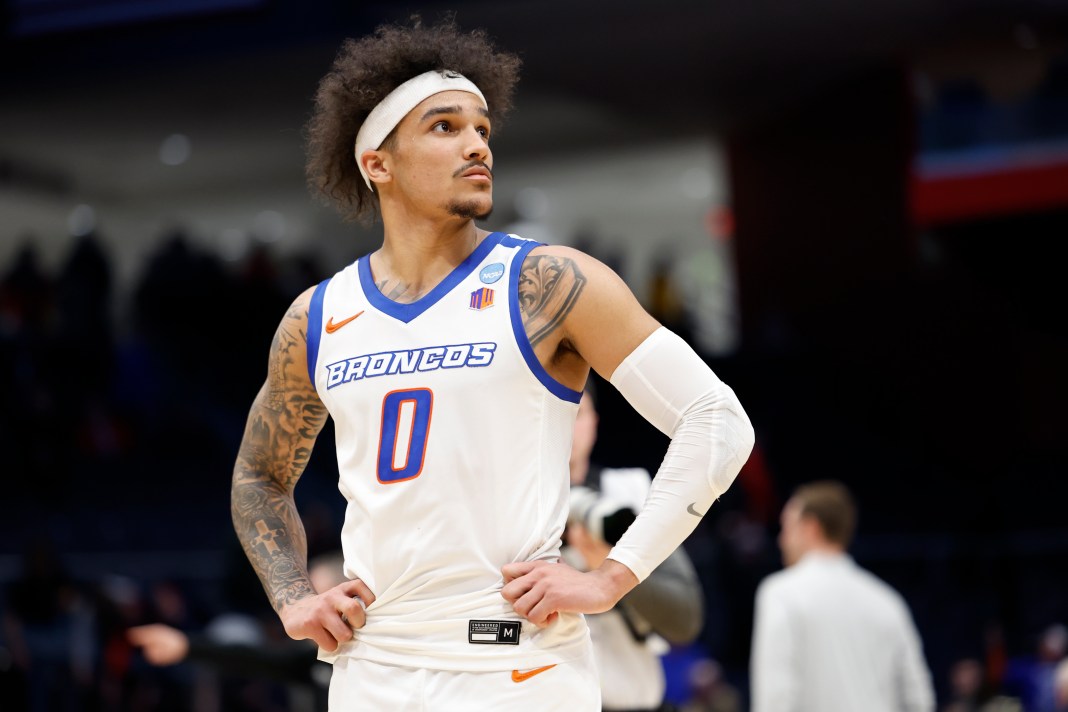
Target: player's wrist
{"points": [[286, 604], [617, 578]]}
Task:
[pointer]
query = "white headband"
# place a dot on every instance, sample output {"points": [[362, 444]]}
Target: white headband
{"points": [[389, 112]]}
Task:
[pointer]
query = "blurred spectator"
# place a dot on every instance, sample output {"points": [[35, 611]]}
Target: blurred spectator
{"points": [[666, 303], [25, 293], [85, 319], [1060, 685], [710, 691], [48, 631], [970, 694], [290, 661], [965, 686], [706, 282], [827, 635], [1032, 677], [665, 608]]}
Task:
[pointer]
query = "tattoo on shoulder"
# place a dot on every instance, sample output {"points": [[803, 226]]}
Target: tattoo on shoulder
{"points": [[549, 288], [287, 348]]}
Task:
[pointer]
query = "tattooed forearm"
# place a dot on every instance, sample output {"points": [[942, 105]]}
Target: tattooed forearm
{"points": [[282, 426], [273, 538], [549, 287]]}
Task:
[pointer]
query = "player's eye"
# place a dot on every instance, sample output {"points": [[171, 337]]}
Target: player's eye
{"points": [[440, 126], [484, 132]]}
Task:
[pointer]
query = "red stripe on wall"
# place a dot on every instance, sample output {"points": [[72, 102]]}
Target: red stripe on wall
{"points": [[947, 199]]}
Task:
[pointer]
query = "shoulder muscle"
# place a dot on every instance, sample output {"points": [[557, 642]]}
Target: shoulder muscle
{"points": [[585, 303]]}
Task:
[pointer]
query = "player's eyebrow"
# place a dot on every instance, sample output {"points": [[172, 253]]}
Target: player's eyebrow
{"points": [[438, 110]]}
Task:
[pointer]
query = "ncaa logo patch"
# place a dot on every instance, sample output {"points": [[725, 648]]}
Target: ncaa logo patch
{"points": [[491, 273], [481, 299]]}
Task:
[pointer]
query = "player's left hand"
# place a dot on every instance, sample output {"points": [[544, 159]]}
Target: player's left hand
{"points": [[539, 590]]}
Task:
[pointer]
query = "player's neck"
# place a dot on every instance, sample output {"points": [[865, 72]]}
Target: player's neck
{"points": [[417, 254]]}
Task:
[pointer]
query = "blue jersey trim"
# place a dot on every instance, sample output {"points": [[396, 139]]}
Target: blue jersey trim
{"points": [[509, 241], [315, 327], [555, 387], [407, 312]]}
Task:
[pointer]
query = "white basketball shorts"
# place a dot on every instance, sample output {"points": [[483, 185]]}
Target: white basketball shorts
{"points": [[363, 686]]}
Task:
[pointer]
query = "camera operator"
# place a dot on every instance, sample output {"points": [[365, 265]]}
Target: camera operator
{"points": [[665, 608]]}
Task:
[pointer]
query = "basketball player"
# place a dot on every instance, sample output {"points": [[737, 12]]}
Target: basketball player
{"points": [[451, 360]]}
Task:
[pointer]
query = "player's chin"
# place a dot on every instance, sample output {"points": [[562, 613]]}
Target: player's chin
{"points": [[476, 208]]}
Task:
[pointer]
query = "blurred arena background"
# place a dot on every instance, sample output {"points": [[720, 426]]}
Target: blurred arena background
{"points": [[851, 209]]}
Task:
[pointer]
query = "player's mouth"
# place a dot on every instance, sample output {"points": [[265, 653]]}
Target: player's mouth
{"points": [[479, 173]]}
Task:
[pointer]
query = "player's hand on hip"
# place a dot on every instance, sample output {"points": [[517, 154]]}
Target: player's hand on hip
{"points": [[539, 590], [330, 617]]}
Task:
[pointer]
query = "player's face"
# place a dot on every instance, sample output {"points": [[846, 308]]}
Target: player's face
{"points": [[441, 156]]}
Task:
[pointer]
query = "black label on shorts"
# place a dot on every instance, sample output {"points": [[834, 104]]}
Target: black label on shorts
{"points": [[493, 632]]}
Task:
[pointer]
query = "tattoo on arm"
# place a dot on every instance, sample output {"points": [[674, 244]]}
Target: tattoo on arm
{"points": [[549, 288], [285, 419]]}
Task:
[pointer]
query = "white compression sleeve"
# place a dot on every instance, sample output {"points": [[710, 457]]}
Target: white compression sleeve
{"points": [[711, 438]]}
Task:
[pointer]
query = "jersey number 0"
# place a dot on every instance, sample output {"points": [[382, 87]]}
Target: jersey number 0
{"points": [[405, 428]]}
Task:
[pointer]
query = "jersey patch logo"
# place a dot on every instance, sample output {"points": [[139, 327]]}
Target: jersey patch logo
{"points": [[491, 273], [331, 327], [493, 632], [481, 299]]}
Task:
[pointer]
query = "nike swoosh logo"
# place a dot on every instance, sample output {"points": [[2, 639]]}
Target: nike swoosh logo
{"points": [[693, 511], [521, 676], [331, 327]]}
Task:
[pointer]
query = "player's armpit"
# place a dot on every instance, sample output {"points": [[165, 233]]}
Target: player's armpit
{"points": [[283, 423]]}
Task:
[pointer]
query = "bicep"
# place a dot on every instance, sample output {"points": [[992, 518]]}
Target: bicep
{"points": [[606, 323]]}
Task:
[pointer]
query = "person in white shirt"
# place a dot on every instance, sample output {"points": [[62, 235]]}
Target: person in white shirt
{"points": [[828, 635]]}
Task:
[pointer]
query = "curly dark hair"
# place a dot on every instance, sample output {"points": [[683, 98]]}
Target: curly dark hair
{"points": [[368, 69]]}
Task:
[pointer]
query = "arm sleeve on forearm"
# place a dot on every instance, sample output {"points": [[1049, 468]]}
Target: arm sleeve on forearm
{"points": [[670, 599], [711, 438]]}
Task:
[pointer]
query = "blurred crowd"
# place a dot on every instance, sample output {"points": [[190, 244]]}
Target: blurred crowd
{"points": [[119, 422]]}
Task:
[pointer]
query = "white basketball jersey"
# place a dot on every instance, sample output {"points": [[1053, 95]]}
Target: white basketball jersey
{"points": [[452, 445]]}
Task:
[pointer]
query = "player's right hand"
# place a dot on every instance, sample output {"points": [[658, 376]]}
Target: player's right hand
{"points": [[328, 618]]}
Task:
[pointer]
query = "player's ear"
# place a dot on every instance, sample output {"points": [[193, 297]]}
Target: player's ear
{"points": [[377, 165]]}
